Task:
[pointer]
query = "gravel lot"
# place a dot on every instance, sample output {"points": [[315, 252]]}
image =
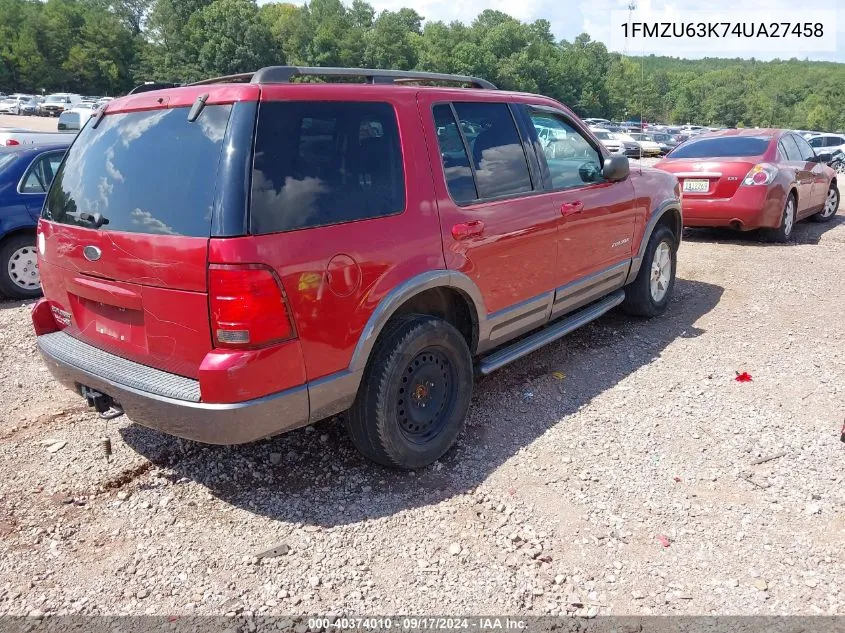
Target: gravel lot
{"points": [[34, 123], [610, 473]]}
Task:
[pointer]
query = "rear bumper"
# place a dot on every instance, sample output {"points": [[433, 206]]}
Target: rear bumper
{"points": [[168, 402], [749, 208]]}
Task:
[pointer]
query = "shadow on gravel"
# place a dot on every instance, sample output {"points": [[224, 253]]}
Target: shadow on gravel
{"points": [[315, 476], [14, 303], [805, 232]]}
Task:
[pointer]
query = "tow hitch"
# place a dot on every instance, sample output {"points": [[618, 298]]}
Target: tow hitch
{"points": [[105, 406]]}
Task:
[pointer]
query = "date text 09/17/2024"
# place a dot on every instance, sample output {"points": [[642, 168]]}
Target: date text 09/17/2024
{"points": [[417, 623]]}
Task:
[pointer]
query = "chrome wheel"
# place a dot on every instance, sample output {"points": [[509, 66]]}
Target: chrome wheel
{"points": [[661, 271], [23, 268], [831, 203], [840, 168], [789, 216]]}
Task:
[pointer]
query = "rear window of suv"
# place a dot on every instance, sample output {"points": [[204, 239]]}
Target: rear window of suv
{"points": [[722, 147], [325, 162], [144, 172]]}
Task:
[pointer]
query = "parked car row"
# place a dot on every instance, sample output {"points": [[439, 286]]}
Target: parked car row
{"points": [[51, 105], [208, 306]]}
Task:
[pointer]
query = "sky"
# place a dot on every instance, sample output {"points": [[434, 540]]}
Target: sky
{"points": [[572, 17]]}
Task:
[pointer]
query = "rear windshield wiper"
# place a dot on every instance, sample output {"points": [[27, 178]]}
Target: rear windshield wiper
{"points": [[95, 219], [197, 108]]}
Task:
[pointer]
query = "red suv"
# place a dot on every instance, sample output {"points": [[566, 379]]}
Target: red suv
{"points": [[236, 258]]}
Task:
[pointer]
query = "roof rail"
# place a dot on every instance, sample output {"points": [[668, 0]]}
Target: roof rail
{"points": [[284, 74], [225, 79]]}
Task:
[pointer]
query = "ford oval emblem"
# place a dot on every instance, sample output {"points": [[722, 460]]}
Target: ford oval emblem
{"points": [[92, 253]]}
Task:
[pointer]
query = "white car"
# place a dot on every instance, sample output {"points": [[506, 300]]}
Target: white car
{"points": [[12, 104], [74, 119], [57, 103], [827, 143], [607, 139], [648, 147], [596, 122], [14, 136]]}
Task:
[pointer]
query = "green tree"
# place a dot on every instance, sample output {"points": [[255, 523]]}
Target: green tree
{"points": [[228, 37]]}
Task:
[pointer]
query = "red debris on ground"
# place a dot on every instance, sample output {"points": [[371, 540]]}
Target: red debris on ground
{"points": [[743, 377]]}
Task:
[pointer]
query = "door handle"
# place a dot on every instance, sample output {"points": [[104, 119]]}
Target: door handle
{"points": [[465, 230], [571, 208]]}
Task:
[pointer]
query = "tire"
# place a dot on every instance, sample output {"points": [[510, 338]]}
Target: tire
{"points": [[17, 255], [419, 362], [831, 205], [787, 225], [642, 298]]}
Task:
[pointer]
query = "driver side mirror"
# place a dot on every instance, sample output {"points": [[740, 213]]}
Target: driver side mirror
{"points": [[616, 168], [822, 158]]}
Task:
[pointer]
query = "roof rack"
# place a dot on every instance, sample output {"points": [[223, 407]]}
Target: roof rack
{"points": [[284, 74]]}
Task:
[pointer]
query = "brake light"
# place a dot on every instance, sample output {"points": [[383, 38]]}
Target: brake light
{"points": [[248, 306], [12, 141], [762, 174]]}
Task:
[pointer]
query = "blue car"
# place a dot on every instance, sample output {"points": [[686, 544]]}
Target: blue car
{"points": [[26, 172]]}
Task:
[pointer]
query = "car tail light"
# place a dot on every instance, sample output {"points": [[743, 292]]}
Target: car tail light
{"points": [[248, 306], [762, 174], [12, 141]]}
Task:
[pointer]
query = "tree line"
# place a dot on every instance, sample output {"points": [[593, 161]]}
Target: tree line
{"points": [[109, 46]]}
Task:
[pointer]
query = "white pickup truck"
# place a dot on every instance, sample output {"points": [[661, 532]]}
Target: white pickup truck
{"points": [[17, 136]]}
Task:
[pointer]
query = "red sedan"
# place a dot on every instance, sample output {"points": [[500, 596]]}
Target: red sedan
{"points": [[752, 178]]}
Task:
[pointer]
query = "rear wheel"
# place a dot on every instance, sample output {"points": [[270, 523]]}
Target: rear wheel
{"points": [[414, 395], [831, 205], [787, 221], [19, 278], [650, 292]]}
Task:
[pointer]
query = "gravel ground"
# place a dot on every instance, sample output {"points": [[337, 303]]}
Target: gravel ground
{"points": [[610, 473], [26, 122]]}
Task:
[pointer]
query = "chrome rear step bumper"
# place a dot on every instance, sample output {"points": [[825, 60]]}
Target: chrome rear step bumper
{"points": [[151, 397]]}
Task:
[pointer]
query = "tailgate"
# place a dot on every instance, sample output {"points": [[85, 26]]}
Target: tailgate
{"points": [[139, 300], [125, 228]]}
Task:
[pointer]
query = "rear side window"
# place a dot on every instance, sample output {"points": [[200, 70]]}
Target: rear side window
{"points": [[321, 163], [722, 147], [142, 172], [454, 156], [804, 148], [496, 152], [789, 149], [39, 175]]}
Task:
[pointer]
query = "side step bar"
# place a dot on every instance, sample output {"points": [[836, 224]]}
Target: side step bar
{"points": [[561, 328]]}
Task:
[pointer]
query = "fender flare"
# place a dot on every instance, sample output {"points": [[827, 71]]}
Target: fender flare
{"points": [[667, 206], [407, 290]]}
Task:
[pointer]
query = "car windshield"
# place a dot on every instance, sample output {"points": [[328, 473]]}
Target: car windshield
{"points": [[722, 147], [601, 135], [56, 99]]}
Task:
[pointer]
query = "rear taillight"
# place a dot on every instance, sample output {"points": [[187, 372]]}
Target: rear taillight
{"points": [[762, 174], [248, 307], [12, 141]]}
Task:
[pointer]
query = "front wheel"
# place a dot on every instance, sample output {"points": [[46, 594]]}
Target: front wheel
{"points": [[831, 205], [19, 278], [414, 395], [650, 292]]}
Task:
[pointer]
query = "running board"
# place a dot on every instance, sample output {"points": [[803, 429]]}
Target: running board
{"points": [[561, 328]]}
